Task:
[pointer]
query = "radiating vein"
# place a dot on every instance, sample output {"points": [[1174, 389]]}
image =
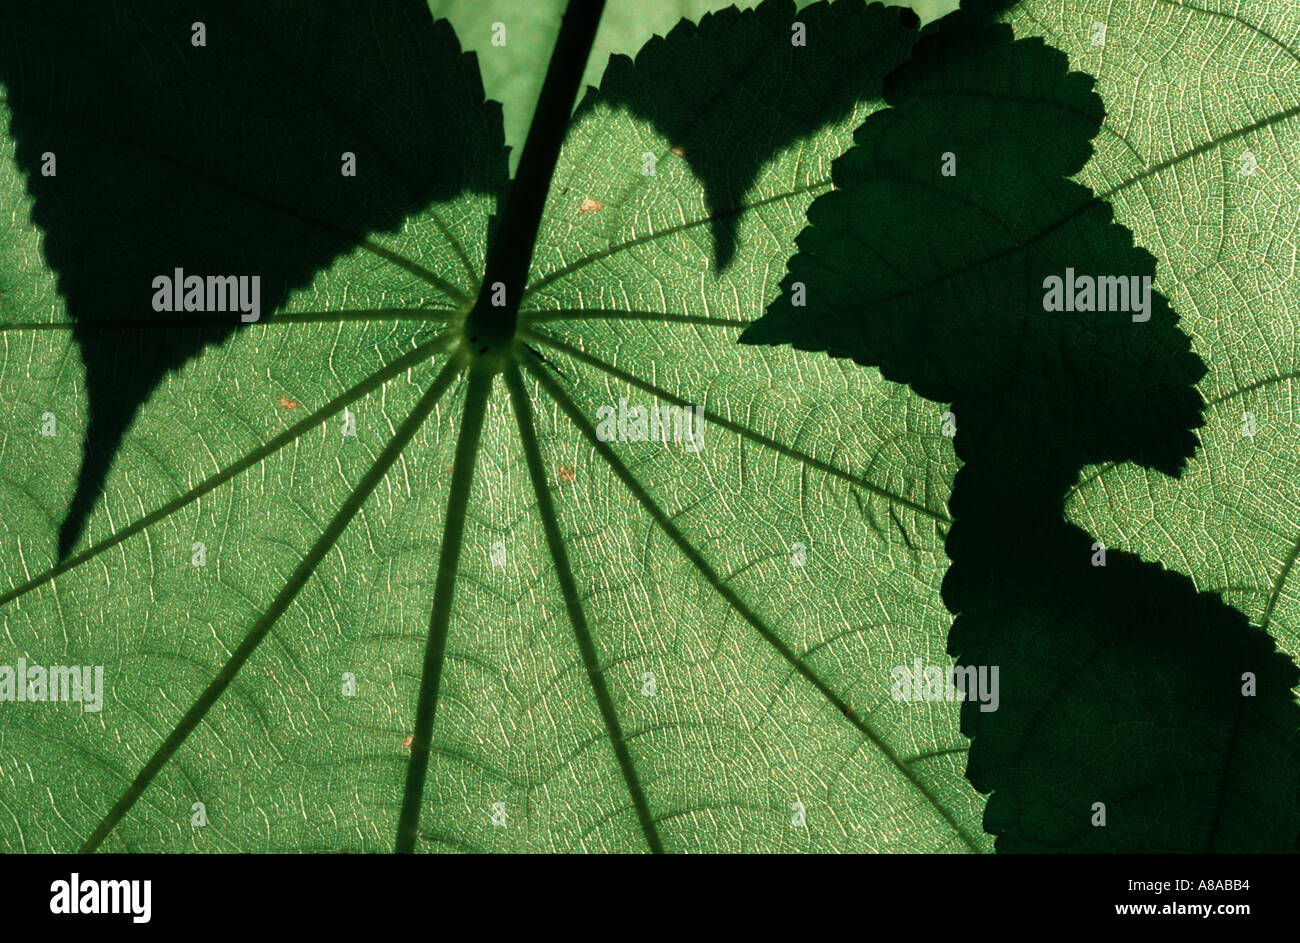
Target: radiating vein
{"points": [[546, 507], [462, 478], [283, 599], [416, 269], [665, 523], [1201, 149], [930, 754], [732, 426], [1276, 592], [1257, 30], [312, 420], [1248, 387], [614, 314], [577, 264], [456, 247], [197, 320]]}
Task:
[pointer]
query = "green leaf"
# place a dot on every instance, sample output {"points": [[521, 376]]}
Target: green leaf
{"points": [[1132, 701], [598, 645]]}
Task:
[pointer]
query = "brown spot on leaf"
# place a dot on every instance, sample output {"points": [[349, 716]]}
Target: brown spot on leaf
{"points": [[287, 403], [566, 473], [589, 206], [679, 151]]}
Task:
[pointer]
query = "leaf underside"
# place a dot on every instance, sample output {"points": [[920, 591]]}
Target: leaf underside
{"points": [[639, 646]]}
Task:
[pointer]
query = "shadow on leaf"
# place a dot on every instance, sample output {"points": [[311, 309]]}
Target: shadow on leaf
{"points": [[734, 91], [1135, 714], [224, 158]]}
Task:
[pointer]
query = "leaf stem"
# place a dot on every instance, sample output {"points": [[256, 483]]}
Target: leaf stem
{"points": [[511, 250]]}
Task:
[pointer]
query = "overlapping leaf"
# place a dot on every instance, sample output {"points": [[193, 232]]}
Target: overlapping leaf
{"points": [[1138, 713]]}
